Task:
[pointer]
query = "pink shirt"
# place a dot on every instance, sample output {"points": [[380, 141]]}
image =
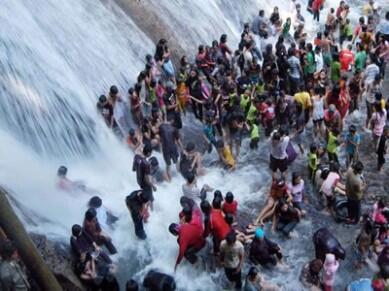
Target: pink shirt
{"points": [[329, 183]]}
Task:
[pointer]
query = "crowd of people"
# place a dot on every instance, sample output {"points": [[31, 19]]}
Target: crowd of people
{"points": [[293, 94]]}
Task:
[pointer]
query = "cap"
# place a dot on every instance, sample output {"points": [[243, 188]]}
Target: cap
{"points": [[259, 233], [332, 108]]}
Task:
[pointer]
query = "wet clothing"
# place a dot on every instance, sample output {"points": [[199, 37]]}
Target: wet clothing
{"points": [[142, 168], [276, 192], [106, 111], [12, 277], [264, 252], [135, 206], [219, 226], [231, 255], [186, 165], [309, 278], [354, 194], [381, 150], [169, 136], [287, 220], [92, 227], [297, 191], [230, 208], [190, 241]]}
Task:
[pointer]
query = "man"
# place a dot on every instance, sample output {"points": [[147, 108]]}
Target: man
{"points": [[170, 142], [346, 58], [106, 110], [295, 71], [354, 191], [190, 237], [278, 154], [383, 27], [264, 251], [12, 276], [143, 172], [137, 205], [303, 98], [332, 118], [360, 58], [231, 257]]}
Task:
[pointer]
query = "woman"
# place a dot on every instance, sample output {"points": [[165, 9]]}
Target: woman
{"points": [[318, 112], [377, 122], [330, 267]]}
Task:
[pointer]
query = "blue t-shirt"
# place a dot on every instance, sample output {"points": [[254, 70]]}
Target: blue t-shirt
{"points": [[209, 132], [350, 148]]}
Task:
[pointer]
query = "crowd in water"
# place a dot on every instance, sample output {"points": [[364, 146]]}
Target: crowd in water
{"points": [[264, 92]]}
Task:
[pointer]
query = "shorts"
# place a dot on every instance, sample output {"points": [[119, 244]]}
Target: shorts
{"points": [[318, 121], [254, 143], [170, 155], [148, 192], [236, 137], [298, 205], [330, 201], [381, 159], [277, 164]]}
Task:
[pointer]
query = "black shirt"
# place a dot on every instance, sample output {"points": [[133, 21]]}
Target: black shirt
{"points": [[142, 168], [169, 135]]}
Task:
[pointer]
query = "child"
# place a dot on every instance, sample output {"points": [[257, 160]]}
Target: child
{"points": [[313, 160], [296, 189], [381, 148], [254, 136], [330, 267], [353, 140], [332, 184], [230, 206], [225, 155], [332, 145]]}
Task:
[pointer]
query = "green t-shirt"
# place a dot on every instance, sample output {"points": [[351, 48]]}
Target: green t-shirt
{"points": [[335, 71], [309, 67], [360, 60], [244, 100], [332, 143], [312, 161], [286, 29], [254, 133], [347, 31], [251, 113]]}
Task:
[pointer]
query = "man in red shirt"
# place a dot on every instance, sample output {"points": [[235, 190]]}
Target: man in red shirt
{"points": [[218, 226], [346, 58], [190, 238]]}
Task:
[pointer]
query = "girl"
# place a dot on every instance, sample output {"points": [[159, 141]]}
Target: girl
{"points": [[318, 112], [377, 122], [330, 267]]}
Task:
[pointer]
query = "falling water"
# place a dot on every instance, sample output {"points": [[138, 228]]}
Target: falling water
{"points": [[56, 58]]}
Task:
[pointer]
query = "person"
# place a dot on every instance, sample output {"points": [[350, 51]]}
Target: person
{"points": [[313, 160], [377, 122], [383, 27], [170, 142], [190, 238], [217, 224], [297, 189], [382, 148], [318, 111], [278, 154], [82, 243], [310, 275], [331, 185], [230, 206], [192, 191], [316, 7], [190, 161], [354, 190], [143, 172], [92, 227], [285, 218], [225, 155], [295, 71], [134, 140], [255, 282], [64, 183], [332, 144], [12, 275], [346, 58], [104, 216], [105, 108], [156, 173], [157, 281], [330, 268], [137, 204], [232, 258], [332, 118], [263, 251], [325, 242], [352, 141]]}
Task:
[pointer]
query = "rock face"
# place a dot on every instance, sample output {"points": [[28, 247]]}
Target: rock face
{"points": [[58, 259]]}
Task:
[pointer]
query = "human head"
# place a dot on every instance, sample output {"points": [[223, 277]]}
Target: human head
{"points": [[147, 150], [229, 197], [8, 250], [132, 285], [259, 233], [358, 167], [313, 148], [76, 230], [330, 261], [95, 202], [187, 211], [154, 164], [185, 201], [252, 274], [173, 229], [296, 178], [62, 171], [190, 147], [352, 129], [90, 214], [231, 237], [205, 207], [113, 91], [217, 194], [315, 266], [102, 99], [332, 108]]}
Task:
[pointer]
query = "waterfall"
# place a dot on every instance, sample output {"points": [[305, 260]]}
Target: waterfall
{"points": [[56, 58]]}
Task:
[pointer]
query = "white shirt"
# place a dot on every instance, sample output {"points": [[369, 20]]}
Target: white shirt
{"points": [[319, 62]]}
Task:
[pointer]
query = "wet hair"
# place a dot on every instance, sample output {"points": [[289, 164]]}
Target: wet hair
{"points": [[154, 162], [113, 90], [223, 38], [132, 285], [217, 194], [295, 175], [187, 211], [231, 237], [205, 207], [217, 203], [147, 149], [334, 166], [131, 132], [95, 202], [7, 250], [173, 229], [185, 201], [76, 230], [229, 197], [313, 148], [358, 167], [352, 128], [190, 146], [229, 218], [102, 99], [90, 214], [315, 266]]}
